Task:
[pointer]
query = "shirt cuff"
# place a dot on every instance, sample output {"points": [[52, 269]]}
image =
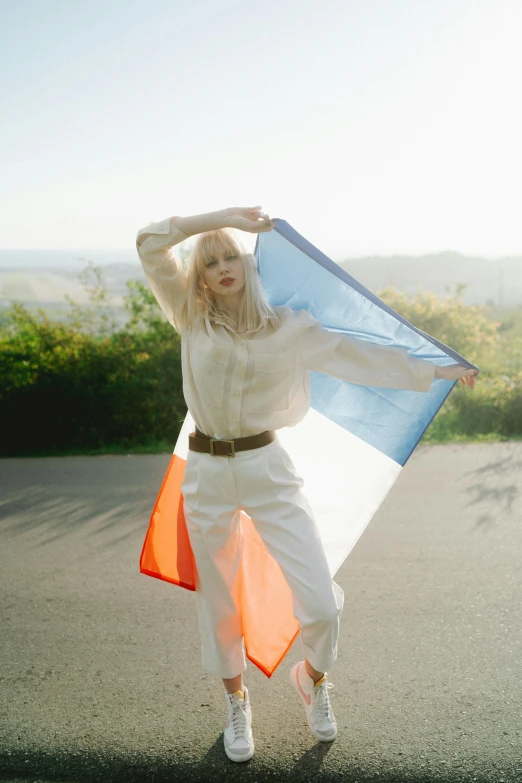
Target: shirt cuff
{"points": [[425, 375], [163, 227]]}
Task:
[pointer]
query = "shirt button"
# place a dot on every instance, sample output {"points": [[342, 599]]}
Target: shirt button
{"points": [[241, 364]]}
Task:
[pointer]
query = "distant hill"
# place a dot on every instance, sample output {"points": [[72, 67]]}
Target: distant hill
{"points": [[41, 278], [47, 287], [64, 259], [496, 282], [40, 282]]}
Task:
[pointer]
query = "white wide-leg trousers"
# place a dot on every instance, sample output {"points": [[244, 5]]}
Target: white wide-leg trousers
{"points": [[263, 483]]}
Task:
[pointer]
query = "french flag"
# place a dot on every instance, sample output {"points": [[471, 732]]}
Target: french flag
{"points": [[349, 448]]}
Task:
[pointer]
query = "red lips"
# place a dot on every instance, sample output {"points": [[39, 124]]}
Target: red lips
{"points": [[227, 281]]}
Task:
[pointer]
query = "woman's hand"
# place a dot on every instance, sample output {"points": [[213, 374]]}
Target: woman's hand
{"points": [[251, 219], [452, 372]]}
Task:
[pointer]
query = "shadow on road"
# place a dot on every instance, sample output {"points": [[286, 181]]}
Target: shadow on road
{"points": [[99, 767]]}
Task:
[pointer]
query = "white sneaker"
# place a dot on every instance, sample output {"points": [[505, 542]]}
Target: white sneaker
{"points": [[316, 700], [238, 739]]}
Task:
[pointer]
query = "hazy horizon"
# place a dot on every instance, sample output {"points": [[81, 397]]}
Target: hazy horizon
{"points": [[77, 258]]}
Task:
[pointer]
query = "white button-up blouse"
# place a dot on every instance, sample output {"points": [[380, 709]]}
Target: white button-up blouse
{"points": [[241, 384]]}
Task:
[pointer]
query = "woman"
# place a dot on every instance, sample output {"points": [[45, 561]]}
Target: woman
{"points": [[245, 374]]}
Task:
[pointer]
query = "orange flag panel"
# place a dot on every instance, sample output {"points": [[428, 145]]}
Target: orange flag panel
{"points": [[265, 600]]}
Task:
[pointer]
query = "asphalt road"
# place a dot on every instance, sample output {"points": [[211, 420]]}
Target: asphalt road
{"points": [[100, 672]]}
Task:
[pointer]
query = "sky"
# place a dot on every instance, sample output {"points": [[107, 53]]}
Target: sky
{"points": [[372, 126]]}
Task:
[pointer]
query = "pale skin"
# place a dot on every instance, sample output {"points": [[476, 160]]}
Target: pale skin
{"points": [[225, 265]]}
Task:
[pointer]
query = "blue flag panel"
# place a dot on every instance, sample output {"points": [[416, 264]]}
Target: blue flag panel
{"points": [[296, 274]]}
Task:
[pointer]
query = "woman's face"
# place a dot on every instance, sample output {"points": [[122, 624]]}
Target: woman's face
{"points": [[224, 266]]}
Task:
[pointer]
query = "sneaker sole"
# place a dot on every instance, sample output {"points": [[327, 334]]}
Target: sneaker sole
{"points": [[321, 738], [239, 758]]}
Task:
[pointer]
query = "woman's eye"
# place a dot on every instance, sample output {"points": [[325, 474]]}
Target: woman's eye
{"points": [[229, 258]]}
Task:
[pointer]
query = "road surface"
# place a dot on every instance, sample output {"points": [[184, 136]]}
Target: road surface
{"points": [[100, 672]]}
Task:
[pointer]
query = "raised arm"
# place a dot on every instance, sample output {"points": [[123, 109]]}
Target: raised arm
{"points": [[164, 271]]}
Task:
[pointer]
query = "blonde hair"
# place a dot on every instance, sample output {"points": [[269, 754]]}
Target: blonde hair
{"points": [[254, 312]]}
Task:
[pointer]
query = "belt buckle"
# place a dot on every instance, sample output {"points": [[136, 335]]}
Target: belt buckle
{"points": [[218, 440]]}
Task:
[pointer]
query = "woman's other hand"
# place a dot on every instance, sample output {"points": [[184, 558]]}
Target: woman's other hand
{"points": [[251, 219], [453, 372]]}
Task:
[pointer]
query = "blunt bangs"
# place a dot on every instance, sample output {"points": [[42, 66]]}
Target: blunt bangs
{"points": [[212, 242]]}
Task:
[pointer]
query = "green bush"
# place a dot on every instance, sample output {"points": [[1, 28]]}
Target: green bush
{"points": [[85, 384], [494, 407]]}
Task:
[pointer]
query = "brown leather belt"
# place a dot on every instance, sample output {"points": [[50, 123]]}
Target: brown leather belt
{"points": [[198, 441]]}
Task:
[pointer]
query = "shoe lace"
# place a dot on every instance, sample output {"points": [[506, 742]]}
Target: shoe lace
{"points": [[322, 701], [238, 717]]}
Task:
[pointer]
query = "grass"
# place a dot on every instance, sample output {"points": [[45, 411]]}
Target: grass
{"points": [[488, 437], [157, 447]]}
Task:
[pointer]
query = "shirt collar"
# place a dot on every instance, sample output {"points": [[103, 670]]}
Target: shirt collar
{"points": [[239, 334]]}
